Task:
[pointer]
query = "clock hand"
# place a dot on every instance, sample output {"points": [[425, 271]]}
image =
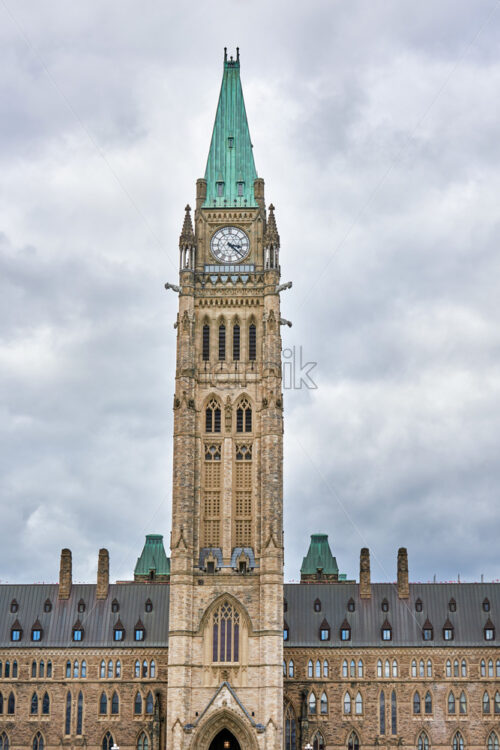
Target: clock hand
{"points": [[236, 249]]}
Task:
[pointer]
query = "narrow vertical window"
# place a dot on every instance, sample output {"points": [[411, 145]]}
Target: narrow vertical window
{"points": [[206, 343], [213, 416], [359, 704], [67, 721], [46, 704], [34, 704], [382, 712], [222, 342], [394, 713], [103, 704], [138, 704], [149, 703], [79, 714], [236, 342], [252, 342], [115, 703]]}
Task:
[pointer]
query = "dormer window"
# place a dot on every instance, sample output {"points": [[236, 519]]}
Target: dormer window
{"points": [[427, 631], [345, 631], [317, 605], [210, 567], [139, 631], [351, 606], [81, 606], [452, 605], [118, 632], [386, 631], [16, 632], [486, 605], [385, 605], [115, 606], [36, 631], [78, 631], [148, 607], [324, 631], [220, 189], [286, 632], [241, 188], [47, 607], [418, 605], [448, 631], [14, 606], [230, 141], [489, 631]]}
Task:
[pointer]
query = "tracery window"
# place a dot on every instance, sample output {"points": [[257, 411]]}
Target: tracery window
{"points": [[243, 495], [458, 741], [353, 742], [143, 742], [107, 741], [318, 741], [38, 741], [226, 633], [290, 733], [492, 742], [213, 416], [244, 416], [4, 741], [423, 742]]}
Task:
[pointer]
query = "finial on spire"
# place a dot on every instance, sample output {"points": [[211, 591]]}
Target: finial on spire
{"points": [[187, 234], [225, 54], [237, 54]]}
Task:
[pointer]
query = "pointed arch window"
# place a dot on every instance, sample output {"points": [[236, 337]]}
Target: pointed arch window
{"points": [[139, 631], [36, 631], [103, 704], [414, 668], [352, 668], [416, 703], [16, 631], [325, 668], [33, 668], [41, 668], [312, 704], [291, 669], [78, 631], [152, 669], [490, 668], [213, 416], [360, 668], [226, 633], [137, 668], [252, 342], [497, 703], [107, 741], [34, 704], [448, 631], [486, 703], [102, 671], [387, 668], [464, 668], [11, 704], [79, 714], [386, 631], [144, 668], [458, 741], [345, 669], [428, 703], [394, 713], [84, 669], [4, 741], [143, 742], [222, 342], [236, 342], [115, 703], [394, 668], [429, 668], [455, 668], [38, 741], [421, 668], [379, 668], [118, 669], [290, 728], [1, 704], [110, 669], [138, 704], [244, 416], [347, 703], [324, 703], [49, 669], [451, 703], [310, 669], [76, 669], [492, 741], [423, 741], [358, 704], [353, 742], [317, 671], [427, 631], [382, 712], [67, 719], [205, 347], [448, 668], [45, 704], [318, 742], [68, 669]]}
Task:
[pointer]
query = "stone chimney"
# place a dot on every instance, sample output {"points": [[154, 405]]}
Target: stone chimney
{"points": [[403, 585], [65, 574], [364, 574], [102, 574]]}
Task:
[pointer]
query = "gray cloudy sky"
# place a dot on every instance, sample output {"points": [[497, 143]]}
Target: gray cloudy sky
{"points": [[375, 125]]}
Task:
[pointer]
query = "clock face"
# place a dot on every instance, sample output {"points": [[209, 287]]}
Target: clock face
{"points": [[229, 245]]}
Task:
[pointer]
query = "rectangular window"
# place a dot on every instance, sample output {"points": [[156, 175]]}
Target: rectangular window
{"points": [[345, 634], [206, 343], [386, 634], [236, 343], [252, 343], [241, 186], [77, 635], [220, 189], [16, 635], [222, 343], [324, 635], [36, 635], [139, 634], [118, 635]]}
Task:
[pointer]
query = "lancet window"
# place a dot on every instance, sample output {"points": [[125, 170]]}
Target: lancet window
{"points": [[211, 496], [226, 633]]}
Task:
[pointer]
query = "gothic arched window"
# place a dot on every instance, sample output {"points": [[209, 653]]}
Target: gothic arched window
{"points": [[212, 416], [67, 720], [143, 742], [107, 741], [323, 703], [34, 704], [416, 703], [103, 704], [137, 668], [4, 741], [226, 633], [222, 342], [115, 703], [486, 703], [423, 741], [79, 714], [382, 712], [353, 742], [317, 669], [243, 416], [38, 741], [291, 669], [318, 741], [458, 741], [290, 733], [138, 704], [149, 703], [236, 342], [463, 703], [428, 703], [394, 713], [344, 669], [358, 704], [11, 704], [492, 742], [347, 703], [45, 704], [451, 703], [312, 703], [102, 671], [205, 346], [310, 669]]}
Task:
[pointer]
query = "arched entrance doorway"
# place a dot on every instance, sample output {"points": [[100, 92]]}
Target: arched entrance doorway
{"points": [[225, 740]]}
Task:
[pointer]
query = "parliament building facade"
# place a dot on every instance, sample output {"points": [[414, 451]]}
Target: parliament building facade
{"points": [[208, 649]]}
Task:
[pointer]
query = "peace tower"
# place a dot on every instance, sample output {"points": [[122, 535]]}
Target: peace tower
{"points": [[225, 680]]}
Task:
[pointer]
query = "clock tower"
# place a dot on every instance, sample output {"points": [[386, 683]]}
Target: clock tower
{"points": [[225, 681]]}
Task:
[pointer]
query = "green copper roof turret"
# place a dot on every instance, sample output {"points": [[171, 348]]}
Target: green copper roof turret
{"points": [[153, 564], [319, 558], [230, 171]]}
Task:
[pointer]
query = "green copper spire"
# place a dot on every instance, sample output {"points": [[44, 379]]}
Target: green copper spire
{"points": [[230, 171], [153, 564], [319, 558]]}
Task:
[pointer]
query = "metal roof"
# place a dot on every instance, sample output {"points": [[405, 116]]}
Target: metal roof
{"points": [[97, 620], [153, 557], [319, 557], [366, 621]]}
